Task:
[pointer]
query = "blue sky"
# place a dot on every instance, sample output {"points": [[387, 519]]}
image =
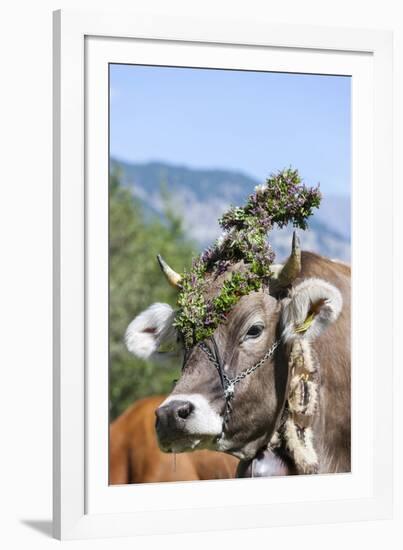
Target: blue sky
{"points": [[254, 122]]}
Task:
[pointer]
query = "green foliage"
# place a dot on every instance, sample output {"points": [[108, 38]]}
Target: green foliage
{"points": [[282, 199], [135, 283]]}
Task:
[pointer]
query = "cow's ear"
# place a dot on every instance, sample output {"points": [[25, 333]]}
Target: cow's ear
{"points": [[310, 308], [150, 330]]}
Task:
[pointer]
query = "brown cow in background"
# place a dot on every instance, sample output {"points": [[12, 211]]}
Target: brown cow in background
{"points": [[135, 456]]}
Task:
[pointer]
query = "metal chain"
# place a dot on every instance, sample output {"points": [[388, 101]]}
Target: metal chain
{"points": [[230, 382], [260, 363]]}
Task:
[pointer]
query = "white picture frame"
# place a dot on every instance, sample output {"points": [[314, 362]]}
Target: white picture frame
{"points": [[84, 505]]}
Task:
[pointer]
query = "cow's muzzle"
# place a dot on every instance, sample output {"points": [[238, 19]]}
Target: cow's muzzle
{"points": [[185, 422], [171, 422]]}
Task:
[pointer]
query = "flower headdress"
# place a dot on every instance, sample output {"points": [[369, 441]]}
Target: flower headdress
{"points": [[282, 199]]}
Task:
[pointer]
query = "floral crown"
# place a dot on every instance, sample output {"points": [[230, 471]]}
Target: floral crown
{"points": [[282, 199]]}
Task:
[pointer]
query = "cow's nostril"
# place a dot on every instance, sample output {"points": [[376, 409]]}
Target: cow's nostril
{"points": [[184, 410]]}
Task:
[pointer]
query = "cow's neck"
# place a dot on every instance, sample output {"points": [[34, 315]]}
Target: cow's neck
{"points": [[291, 449]]}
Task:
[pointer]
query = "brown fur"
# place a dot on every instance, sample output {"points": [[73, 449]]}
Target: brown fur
{"points": [[259, 398], [333, 430], [136, 458]]}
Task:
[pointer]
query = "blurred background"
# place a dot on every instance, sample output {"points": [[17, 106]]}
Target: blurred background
{"points": [[185, 144], [135, 282]]}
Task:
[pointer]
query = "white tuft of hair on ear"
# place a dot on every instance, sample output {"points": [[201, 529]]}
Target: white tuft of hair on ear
{"points": [[311, 295], [150, 329]]}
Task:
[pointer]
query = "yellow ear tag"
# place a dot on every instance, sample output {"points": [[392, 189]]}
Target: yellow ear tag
{"points": [[306, 324]]}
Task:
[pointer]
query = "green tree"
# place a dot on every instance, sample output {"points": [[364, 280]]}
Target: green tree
{"points": [[135, 282]]}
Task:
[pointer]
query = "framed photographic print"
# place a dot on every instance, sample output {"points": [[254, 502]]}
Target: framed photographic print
{"points": [[222, 215]]}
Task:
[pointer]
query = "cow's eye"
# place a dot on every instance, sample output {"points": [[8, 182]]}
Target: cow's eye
{"points": [[254, 332]]}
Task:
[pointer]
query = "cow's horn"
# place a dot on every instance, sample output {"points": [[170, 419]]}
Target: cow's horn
{"points": [[173, 278], [292, 267]]}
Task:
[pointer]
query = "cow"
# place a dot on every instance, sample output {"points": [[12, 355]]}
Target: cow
{"points": [[136, 458], [289, 345]]}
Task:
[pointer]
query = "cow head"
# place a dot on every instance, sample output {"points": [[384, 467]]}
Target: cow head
{"points": [[192, 415]]}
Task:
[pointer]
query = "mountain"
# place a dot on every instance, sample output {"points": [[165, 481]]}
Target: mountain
{"points": [[201, 197]]}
